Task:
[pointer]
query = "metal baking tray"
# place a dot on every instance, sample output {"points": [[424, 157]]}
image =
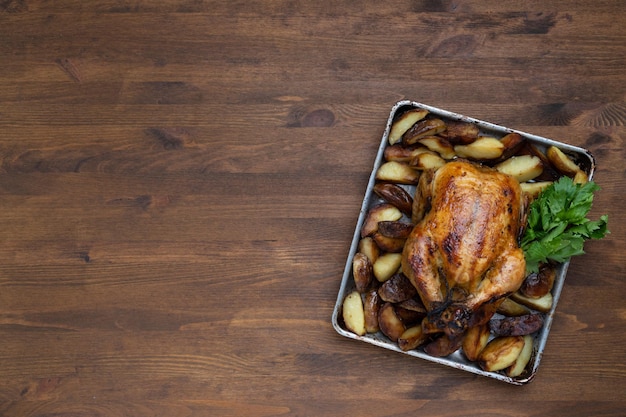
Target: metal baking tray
{"points": [[455, 360]]}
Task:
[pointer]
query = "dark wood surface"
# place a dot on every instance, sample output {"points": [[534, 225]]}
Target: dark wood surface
{"points": [[180, 181]]}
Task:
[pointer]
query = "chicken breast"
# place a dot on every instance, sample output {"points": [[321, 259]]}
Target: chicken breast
{"points": [[463, 255]]}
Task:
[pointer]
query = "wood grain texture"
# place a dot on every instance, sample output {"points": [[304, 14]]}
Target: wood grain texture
{"points": [[180, 181]]}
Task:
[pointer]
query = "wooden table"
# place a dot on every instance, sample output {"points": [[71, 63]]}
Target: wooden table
{"points": [[180, 181]]}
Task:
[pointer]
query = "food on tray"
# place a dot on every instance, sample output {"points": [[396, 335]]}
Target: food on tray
{"points": [[461, 250]]}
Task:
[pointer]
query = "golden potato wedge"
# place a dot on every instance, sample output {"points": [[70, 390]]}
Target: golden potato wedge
{"points": [[562, 162], [421, 129], [533, 189], [378, 214], [475, 340], [426, 161], [368, 247], [371, 307], [543, 304], [404, 123], [401, 153], [386, 265], [412, 338], [353, 313], [460, 133], [395, 195], [513, 143], [389, 323], [439, 145], [500, 353], [518, 367], [389, 244], [483, 148], [398, 172], [397, 289], [581, 177], [511, 308], [395, 229], [523, 168], [538, 284], [362, 272]]}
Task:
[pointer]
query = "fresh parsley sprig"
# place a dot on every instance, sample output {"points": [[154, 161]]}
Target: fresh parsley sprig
{"points": [[557, 225]]}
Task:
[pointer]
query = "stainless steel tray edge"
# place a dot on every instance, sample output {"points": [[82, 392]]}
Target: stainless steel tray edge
{"points": [[456, 360]]}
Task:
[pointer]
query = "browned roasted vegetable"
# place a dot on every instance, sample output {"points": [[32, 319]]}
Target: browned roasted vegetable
{"points": [[368, 247], [404, 123], [518, 367], [543, 304], [397, 289], [509, 307], [421, 129], [389, 322], [516, 326], [512, 142], [439, 145], [386, 265], [444, 345], [561, 161], [398, 172], [475, 340], [460, 133], [401, 153], [362, 272], [501, 353], [371, 307], [353, 314], [388, 244], [412, 338], [395, 195], [395, 229], [378, 214], [538, 284], [413, 304]]}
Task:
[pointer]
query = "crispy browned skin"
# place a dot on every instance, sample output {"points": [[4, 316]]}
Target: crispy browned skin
{"points": [[464, 252]]}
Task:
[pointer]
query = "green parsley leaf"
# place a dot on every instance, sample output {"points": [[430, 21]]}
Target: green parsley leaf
{"points": [[557, 224]]}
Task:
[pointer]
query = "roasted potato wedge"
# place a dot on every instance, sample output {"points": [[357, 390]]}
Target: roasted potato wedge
{"points": [[439, 145], [398, 172], [389, 244], [512, 142], [401, 153], [412, 338], [475, 340], [533, 189], [353, 313], [518, 367], [581, 177], [543, 304], [500, 353], [414, 304], [511, 308], [562, 162], [538, 284], [386, 265], [404, 123], [395, 229], [371, 307], [397, 289], [483, 148], [378, 214], [421, 129], [362, 272], [368, 247], [389, 323], [460, 133], [516, 326], [523, 168], [427, 160], [395, 195]]}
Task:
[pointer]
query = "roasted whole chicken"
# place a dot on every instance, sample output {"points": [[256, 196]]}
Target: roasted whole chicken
{"points": [[462, 255]]}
